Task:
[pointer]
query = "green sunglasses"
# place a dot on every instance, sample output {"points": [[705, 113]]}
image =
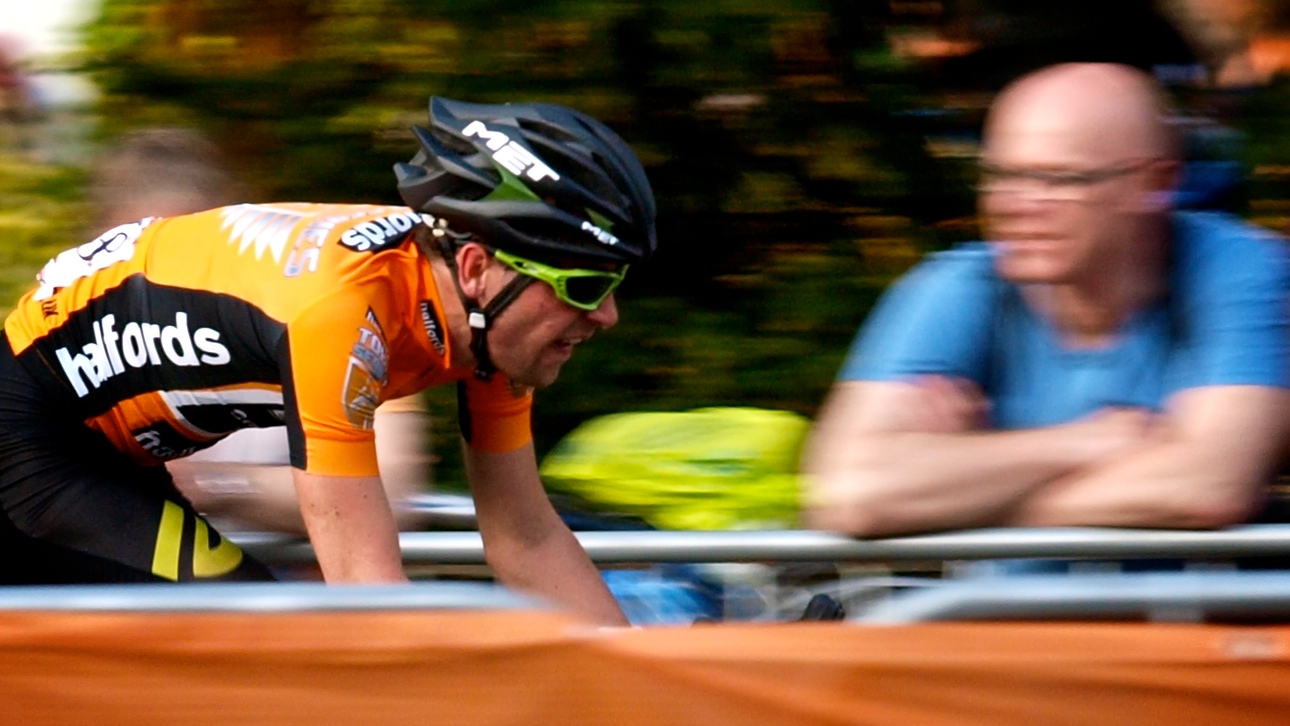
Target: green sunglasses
{"points": [[583, 289]]}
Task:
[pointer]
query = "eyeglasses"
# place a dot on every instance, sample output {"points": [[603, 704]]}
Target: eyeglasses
{"points": [[583, 289], [1049, 184]]}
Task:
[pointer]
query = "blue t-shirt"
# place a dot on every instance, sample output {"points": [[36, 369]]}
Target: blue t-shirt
{"points": [[1223, 322]]}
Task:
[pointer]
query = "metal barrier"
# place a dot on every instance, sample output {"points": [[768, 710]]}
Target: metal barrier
{"points": [[1151, 596], [1188, 597], [264, 597], [1170, 596], [625, 547]]}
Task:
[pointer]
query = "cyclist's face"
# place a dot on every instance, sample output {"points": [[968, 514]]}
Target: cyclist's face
{"points": [[1060, 187], [533, 337]]}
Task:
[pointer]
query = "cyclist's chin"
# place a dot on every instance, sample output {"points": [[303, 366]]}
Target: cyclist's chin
{"points": [[539, 375], [542, 368]]}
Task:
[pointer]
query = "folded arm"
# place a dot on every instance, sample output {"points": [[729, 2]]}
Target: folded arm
{"points": [[1210, 460], [888, 458]]}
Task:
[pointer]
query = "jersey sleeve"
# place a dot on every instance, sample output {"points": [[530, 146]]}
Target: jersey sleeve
{"points": [[494, 415], [937, 319], [1230, 284], [337, 365]]}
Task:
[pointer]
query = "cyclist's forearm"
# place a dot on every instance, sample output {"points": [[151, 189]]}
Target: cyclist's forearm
{"points": [[557, 569], [351, 528]]}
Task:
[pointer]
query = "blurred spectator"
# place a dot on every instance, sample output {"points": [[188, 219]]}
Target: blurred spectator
{"points": [[159, 172], [19, 107], [168, 171], [1243, 43], [1101, 360]]}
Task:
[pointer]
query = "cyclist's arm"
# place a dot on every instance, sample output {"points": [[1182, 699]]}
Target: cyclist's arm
{"points": [[1209, 466], [526, 543], [351, 528]]}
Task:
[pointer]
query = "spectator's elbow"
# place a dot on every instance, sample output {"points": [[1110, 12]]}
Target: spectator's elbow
{"points": [[1214, 508], [865, 489], [1219, 512], [854, 505], [845, 519]]}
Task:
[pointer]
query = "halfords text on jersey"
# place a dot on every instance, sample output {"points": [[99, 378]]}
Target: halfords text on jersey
{"points": [[138, 345]]}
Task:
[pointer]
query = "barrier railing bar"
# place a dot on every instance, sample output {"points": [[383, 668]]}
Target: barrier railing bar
{"points": [[264, 597], [1157, 597], [624, 547]]}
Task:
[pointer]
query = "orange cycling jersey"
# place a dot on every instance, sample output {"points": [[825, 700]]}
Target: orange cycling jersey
{"points": [[170, 333]]}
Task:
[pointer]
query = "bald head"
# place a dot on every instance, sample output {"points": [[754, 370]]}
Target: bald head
{"points": [[1087, 112], [1078, 170]]}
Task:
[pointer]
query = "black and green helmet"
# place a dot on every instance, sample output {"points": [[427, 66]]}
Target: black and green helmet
{"points": [[538, 180]]}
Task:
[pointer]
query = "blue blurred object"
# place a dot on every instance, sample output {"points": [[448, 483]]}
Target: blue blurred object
{"points": [[1209, 184], [662, 594], [601, 522], [1212, 171], [1044, 566], [668, 594]]}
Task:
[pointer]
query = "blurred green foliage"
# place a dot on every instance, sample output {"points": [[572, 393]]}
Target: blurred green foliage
{"points": [[40, 212], [787, 145]]}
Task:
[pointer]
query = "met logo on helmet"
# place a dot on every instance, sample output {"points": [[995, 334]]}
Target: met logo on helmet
{"points": [[600, 234], [517, 159]]}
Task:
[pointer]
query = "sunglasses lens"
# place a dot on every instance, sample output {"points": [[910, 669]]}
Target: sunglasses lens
{"points": [[589, 290]]}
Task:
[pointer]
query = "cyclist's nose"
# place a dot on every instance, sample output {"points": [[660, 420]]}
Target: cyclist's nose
{"points": [[605, 316]]}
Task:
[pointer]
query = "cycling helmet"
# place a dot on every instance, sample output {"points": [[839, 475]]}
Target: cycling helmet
{"points": [[537, 180]]}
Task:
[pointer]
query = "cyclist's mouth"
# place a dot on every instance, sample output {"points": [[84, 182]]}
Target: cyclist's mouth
{"points": [[564, 346]]}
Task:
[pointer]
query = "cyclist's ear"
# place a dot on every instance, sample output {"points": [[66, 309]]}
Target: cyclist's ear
{"points": [[473, 260]]}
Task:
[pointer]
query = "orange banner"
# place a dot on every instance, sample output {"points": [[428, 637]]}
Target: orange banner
{"points": [[518, 667]]}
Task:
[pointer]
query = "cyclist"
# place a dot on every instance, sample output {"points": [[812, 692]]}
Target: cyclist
{"points": [[164, 335], [245, 480]]}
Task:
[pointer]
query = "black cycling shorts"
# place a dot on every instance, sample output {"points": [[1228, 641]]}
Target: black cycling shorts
{"points": [[73, 509]]}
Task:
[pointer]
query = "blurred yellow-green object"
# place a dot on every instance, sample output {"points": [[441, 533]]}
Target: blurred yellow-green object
{"points": [[708, 468]]}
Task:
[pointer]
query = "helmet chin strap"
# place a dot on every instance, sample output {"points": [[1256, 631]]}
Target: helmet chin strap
{"points": [[480, 319]]}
